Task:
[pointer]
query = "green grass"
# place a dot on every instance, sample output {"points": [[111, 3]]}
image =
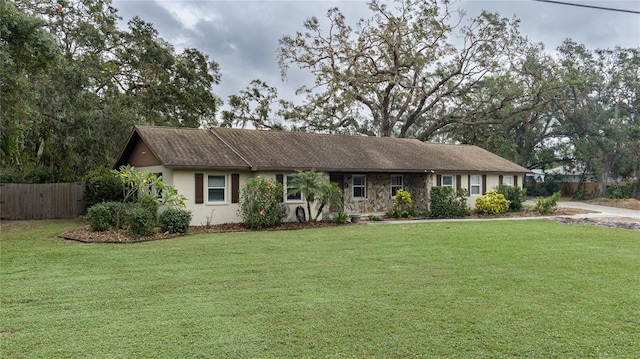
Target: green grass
{"points": [[502, 289]]}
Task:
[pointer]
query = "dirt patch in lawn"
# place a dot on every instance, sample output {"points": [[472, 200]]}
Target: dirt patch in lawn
{"points": [[629, 203], [611, 222]]}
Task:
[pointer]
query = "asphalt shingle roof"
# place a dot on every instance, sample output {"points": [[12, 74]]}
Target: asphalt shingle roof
{"points": [[229, 148]]}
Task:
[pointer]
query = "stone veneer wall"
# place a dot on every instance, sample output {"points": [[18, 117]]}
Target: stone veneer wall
{"points": [[379, 199]]}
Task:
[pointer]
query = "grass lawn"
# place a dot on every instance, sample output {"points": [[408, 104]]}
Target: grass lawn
{"points": [[501, 289]]}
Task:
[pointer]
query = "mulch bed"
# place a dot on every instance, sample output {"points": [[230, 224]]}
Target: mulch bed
{"points": [[86, 235]]}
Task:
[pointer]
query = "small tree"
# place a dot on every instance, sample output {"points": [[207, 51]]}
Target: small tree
{"points": [[330, 195], [315, 186], [143, 187]]}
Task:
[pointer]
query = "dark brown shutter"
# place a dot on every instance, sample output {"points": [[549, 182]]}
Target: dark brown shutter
{"points": [[500, 179], [469, 184], [235, 188], [438, 180], [199, 188], [515, 181], [458, 182], [280, 179], [484, 184]]}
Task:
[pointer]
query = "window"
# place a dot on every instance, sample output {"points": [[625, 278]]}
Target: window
{"points": [[359, 186], [216, 188], [396, 184], [447, 181], [475, 185], [155, 190], [507, 180], [292, 197]]}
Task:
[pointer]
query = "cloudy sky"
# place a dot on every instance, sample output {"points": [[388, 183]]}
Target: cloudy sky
{"points": [[242, 36]]}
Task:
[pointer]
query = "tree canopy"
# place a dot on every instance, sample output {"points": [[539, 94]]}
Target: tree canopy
{"points": [[74, 84]]}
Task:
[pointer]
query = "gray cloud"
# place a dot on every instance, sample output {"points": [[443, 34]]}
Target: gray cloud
{"points": [[242, 36]]}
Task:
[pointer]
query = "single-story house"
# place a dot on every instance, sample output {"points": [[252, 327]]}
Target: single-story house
{"points": [[210, 166]]}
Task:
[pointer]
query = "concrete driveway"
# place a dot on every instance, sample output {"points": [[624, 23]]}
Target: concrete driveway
{"points": [[603, 211]]}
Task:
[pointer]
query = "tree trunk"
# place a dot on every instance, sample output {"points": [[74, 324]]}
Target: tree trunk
{"points": [[607, 165]]}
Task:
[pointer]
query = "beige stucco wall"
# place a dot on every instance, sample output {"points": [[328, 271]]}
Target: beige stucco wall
{"points": [[378, 187], [218, 213]]}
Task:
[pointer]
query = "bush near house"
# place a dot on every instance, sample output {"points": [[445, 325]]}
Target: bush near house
{"points": [[102, 216], [402, 206], [102, 185], [492, 203], [137, 210], [515, 195], [174, 220], [260, 205], [446, 203]]}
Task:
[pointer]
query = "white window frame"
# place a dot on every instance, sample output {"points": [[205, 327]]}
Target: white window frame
{"points": [[224, 189], [447, 185], [506, 179], [395, 187], [362, 186], [476, 185], [291, 198]]}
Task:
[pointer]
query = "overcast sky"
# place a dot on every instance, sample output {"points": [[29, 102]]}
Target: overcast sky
{"points": [[242, 36]]}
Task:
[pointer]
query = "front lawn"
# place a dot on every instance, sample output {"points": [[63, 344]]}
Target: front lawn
{"points": [[501, 289]]}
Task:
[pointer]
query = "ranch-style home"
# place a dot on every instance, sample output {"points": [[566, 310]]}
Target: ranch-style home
{"points": [[210, 166]]}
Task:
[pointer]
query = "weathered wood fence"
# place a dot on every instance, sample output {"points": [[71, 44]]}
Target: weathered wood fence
{"points": [[22, 201]]}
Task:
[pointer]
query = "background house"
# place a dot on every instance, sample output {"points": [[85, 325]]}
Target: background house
{"points": [[210, 166]]}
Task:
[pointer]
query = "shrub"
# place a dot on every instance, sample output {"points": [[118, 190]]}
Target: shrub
{"points": [[102, 216], [102, 185], [402, 205], [11, 175], [260, 205], [492, 203], [547, 205], [341, 217], [40, 174], [445, 203], [174, 220], [515, 195], [140, 221], [618, 192]]}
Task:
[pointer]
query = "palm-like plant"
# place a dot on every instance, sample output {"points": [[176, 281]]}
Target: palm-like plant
{"points": [[314, 185]]}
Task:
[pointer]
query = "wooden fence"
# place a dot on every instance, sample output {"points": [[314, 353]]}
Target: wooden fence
{"points": [[21, 201]]}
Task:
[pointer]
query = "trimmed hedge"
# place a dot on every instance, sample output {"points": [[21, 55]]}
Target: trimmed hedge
{"points": [[445, 203], [174, 220], [102, 216], [140, 221]]}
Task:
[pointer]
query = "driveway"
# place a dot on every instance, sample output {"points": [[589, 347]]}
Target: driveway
{"points": [[603, 211], [599, 212]]}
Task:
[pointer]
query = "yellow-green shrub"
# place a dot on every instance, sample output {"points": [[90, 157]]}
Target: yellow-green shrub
{"points": [[492, 203]]}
